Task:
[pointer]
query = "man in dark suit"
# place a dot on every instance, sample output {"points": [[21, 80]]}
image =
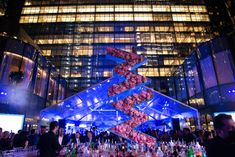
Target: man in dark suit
{"points": [[223, 145], [48, 144]]}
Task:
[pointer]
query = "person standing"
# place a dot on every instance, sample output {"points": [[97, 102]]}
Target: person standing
{"points": [[48, 144], [33, 138], [222, 145], [62, 138], [5, 141], [76, 138]]}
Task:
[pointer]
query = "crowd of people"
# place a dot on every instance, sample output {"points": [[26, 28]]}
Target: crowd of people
{"points": [[220, 142]]}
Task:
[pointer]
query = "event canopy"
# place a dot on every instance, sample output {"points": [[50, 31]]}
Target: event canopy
{"points": [[93, 106]]}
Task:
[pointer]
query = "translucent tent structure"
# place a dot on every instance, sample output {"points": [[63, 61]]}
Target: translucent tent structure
{"points": [[92, 107]]}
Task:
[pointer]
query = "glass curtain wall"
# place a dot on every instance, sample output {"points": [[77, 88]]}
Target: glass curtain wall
{"points": [[209, 76], [74, 34], [23, 67]]}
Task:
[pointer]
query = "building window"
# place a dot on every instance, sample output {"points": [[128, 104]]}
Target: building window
{"points": [[104, 38], [179, 8], [129, 29], [148, 72], [123, 8], [197, 8], [200, 17], [185, 38], [142, 8], [124, 38], [165, 72], [49, 10], [47, 18], [124, 17], [86, 9], [107, 74], [162, 17], [82, 50], [85, 17], [67, 9], [66, 18], [31, 10], [104, 8], [104, 17], [104, 29], [28, 19], [161, 8], [143, 17], [181, 17], [164, 38], [84, 28], [46, 52], [180, 27]]}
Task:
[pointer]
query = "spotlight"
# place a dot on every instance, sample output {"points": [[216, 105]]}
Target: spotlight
{"points": [[232, 91]]}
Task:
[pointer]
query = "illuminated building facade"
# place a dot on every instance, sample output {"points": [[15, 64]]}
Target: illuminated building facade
{"points": [[28, 81], [74, 35], [206, 79]]}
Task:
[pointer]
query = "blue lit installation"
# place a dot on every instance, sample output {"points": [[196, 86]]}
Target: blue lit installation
{"points": [[93, 105]]}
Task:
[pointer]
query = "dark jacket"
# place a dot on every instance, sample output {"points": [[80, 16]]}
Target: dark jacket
{"points": [[65, 140], [5, 144], [33, 139], [74, 140], [48, 145], [93, 139], [218, 147]]}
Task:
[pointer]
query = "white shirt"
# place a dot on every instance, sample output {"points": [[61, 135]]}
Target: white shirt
{"points": [[60, 139], [78, 141]]}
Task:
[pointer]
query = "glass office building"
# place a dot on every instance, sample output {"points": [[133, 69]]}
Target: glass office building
{"points": [[28, 81], [74, 35], [206, 79]]}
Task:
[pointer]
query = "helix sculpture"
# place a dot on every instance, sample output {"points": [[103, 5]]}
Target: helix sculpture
{"points": [[132, 102], [126, 105]]}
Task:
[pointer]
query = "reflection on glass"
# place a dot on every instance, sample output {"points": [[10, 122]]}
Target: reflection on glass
{"points": [[26, 68], [208, 72], [222, 62], [10, 67], [51, 89], [41, 81]]}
